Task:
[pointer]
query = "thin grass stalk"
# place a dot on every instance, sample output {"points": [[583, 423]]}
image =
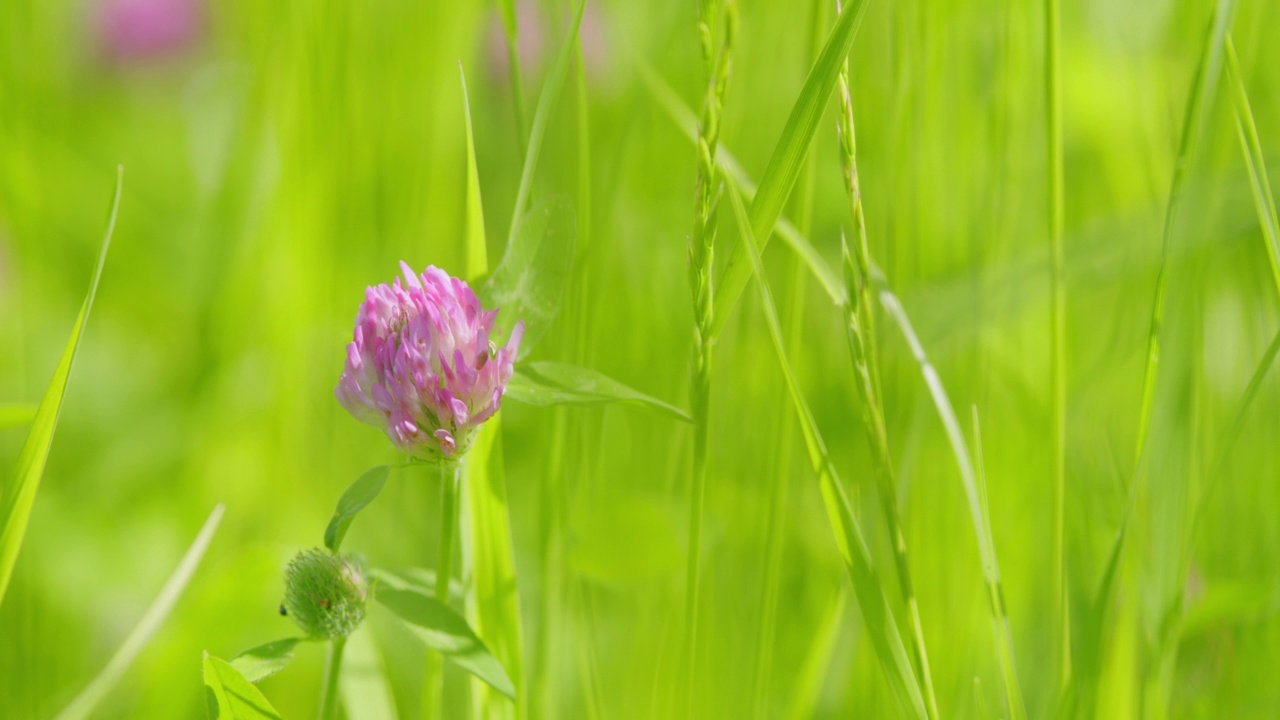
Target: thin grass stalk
{"points": [[433, 682], [1256, 162], [329, 688], [775, 522], [511, 27], [861, 333], [1057, 345], [707, 189]]}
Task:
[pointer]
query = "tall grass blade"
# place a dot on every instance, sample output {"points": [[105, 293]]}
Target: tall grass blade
{"points": [[788, 155], [881, 626], [20, 493], [477, 253], [511, 28], [493, 605], [1203, 85], [817, 662], [366, 694], [1255, 162], [1058, 334], [84, 703], [546, 104], [986, 549]]}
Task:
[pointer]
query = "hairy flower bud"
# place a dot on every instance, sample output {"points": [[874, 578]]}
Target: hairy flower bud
{"points": [[325, 594], [421, 365]]}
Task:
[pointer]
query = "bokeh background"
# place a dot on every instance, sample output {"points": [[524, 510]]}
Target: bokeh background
{"points": [[279, 156]]}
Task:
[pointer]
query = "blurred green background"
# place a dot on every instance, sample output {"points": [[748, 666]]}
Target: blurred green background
{"points": [[280, 156]]}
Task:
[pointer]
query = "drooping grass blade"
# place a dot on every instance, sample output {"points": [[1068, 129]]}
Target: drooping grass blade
{"points": [[881, 626], [20, 493], [84, 703]]}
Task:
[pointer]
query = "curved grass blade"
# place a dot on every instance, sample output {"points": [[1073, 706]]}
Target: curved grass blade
{"points": [[444, 631], [357, 497], [1255, 162], [229, 696], [493, 605], [477, 249], [366, 694], [817, 662], [788, 155], [528, 283], [986, 549], [261, 662], [544, 384], [881, 626], [88, 699], [546, 102], [20, 494], [12, 416]]}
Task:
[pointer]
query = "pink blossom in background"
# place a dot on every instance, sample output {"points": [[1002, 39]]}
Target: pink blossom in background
{"points": [[421, 364], [131, 30]]}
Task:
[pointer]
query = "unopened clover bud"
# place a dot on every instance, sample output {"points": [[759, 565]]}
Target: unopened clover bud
{"points": [[325, 594]]}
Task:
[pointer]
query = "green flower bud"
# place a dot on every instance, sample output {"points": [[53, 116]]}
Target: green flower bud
{"points": [[325, 594]]}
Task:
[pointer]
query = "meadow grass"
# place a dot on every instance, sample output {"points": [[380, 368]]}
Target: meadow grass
{"points": [[1059, 221]]}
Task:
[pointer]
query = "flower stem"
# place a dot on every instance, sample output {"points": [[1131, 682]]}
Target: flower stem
{"points": [[433, 681], [329, 690]]}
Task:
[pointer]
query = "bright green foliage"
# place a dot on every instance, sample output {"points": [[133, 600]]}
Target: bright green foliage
{"points": [[230, 696], [263, 661], [357, 497]]}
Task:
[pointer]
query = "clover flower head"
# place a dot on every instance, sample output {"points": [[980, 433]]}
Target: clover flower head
{"points": [[422, 366], [325, 594]]}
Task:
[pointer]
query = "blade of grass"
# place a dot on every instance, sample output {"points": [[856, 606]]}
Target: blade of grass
{"points": [[12, 416], [366, 694], [789, 153], [493, 605], [546, 103], [84, 703], [1058, 332], [876, 613], [477, 251], [21, 492], [986, 549], [817, 662], [999, 615], [511, 26], [1256, 163]]}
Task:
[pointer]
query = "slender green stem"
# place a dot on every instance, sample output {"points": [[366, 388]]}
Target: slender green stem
{"points": [[1057, 352], [517, 85], [862, 335], [329, 690], [433, 681], [707, 188]]}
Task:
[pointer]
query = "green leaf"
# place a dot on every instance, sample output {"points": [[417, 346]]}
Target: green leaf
{"points": [[547, 101], [876, 613], [88, 699], [366, 694], [529, 282], [263, 661], [446, 632], [356, 498], [788, 155], [1255, 161], [493, 603], [477, 250], [229, 696], [551, 383], [21, 492], [12, 416]]}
